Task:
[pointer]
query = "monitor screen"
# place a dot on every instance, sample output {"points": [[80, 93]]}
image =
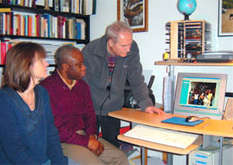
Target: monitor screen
{"points": [[200, 95]]}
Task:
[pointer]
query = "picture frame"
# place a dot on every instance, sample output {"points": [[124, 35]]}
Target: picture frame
{"points": [[228, 114], [225, 18], [135, 13]]}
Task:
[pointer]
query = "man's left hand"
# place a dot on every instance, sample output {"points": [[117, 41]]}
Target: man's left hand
{"points": [[153, 109]]}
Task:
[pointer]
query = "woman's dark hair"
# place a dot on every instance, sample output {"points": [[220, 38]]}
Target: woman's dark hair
{"points": [[19, 58]]}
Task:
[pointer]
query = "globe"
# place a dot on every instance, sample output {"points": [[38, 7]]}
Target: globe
{"points": [[187, 7]]}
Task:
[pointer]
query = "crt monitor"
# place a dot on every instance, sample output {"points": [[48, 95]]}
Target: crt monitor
{"points": [[200, 95]]}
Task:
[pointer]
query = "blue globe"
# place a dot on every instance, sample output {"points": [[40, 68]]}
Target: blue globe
{"points": [[187, 7]]}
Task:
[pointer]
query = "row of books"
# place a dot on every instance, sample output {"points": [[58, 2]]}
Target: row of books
{"points": [[42, 25], [50, 49], [84, 7], [26, 3]]}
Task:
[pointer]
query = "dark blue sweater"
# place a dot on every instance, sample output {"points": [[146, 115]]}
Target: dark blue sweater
{"points": [[28, 137]]}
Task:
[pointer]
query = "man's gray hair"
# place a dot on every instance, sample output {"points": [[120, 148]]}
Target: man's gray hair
{"points": [[113, 30]]}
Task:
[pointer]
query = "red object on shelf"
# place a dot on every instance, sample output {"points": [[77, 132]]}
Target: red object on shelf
{"points": [[122, 130]]}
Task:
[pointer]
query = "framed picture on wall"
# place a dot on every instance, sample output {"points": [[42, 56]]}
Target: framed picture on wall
{"points": [[225, 18], [135, 13]]}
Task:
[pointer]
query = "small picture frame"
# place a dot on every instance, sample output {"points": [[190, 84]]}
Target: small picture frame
{"points": [[225, 18], [228, 114], [135, 13]]}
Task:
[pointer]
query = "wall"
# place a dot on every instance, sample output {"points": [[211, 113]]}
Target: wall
{"points": [[152, 43]]}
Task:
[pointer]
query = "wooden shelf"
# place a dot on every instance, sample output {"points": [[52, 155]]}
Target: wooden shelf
{"points": [[5, 37], [193, 64]]}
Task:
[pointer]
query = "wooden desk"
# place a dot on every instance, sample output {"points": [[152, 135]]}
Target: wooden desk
{"points": [[223, 128]]}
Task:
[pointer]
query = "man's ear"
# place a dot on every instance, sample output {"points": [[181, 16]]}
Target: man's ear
{"points": [[110, 42]]}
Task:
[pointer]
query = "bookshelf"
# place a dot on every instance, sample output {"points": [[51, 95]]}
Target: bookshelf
{"points": [[186, 38], [32, 22], [43, 24]]}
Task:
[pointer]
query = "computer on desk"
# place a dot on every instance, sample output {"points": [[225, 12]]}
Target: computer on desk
{"points": [[200, 95]]}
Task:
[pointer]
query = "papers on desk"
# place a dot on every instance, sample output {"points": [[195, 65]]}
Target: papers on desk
{"points": [[162, 136]]}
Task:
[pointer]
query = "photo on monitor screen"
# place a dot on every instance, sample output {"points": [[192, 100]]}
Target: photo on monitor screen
{"points": [[200, 94]]}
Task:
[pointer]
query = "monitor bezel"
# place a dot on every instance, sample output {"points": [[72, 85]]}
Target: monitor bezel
{"points": [[194, 111]]}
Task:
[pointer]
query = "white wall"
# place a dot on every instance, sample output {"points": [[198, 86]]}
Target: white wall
{"points": [[152, 43]]}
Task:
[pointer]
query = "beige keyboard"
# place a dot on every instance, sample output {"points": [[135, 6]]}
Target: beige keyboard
{"points": [[162, 136]]}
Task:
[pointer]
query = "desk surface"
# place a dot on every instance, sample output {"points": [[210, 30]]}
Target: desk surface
{"points": [[212, 127]]}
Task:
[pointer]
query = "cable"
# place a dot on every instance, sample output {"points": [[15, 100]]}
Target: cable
{"points": [[108, 96]]}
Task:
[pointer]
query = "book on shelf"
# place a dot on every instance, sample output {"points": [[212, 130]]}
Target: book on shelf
{"points": [[56, 6], [5, 10], [5, 45], [74, 6], [60, 24], [81, 31], [2, 23], [3, 53], [65, 5], [78, 30], [87, 7]]}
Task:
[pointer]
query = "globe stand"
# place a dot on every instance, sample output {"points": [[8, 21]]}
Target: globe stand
{"points": [[186, 17]]}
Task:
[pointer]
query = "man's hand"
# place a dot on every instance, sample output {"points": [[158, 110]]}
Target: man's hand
{"points": [[95, 146], [153, 109]]}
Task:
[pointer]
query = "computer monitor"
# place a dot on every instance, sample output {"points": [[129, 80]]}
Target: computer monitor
{"points": [[200, 95]]}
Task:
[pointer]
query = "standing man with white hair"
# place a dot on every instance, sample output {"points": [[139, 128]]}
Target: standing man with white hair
{"points": [[111, 61]]}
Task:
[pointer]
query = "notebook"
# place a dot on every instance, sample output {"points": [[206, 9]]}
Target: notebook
{"points": [[181, 121]]}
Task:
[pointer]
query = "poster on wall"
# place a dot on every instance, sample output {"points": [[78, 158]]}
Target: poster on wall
{"points": [[225, 18], [134, 12]]}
